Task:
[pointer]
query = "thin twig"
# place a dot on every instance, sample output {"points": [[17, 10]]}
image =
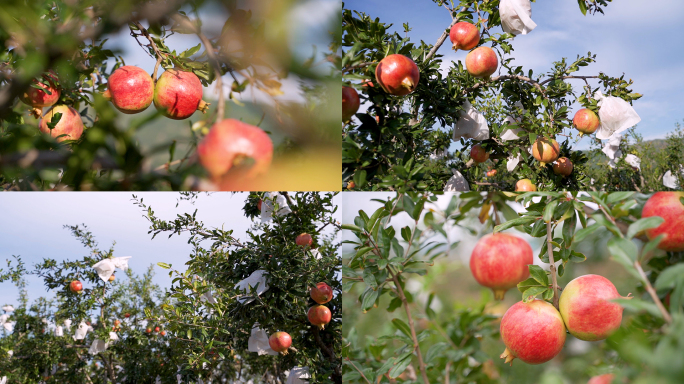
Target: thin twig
{"points": [[554, 279], [443, 37], [357, 368], [157, 52], [651, 291]]}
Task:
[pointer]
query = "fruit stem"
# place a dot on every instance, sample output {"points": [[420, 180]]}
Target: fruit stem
{"points": [[508, 356], [549, 249], [203, 106]]}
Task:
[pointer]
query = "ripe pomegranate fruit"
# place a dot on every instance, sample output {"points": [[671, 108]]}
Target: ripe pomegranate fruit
{"points": [[163, 333], [350, 103], [397, 75], [525, 185], [39, 98], [478, 154], [280, 342], [116, 323], [148, 330], [464, 35], [156, 329], [351, 185], [304, 240], [532, 332], [229, 142], [499, 261], [481, 62], [585, 121], [70, 124], [602, 379], [127, 315], [319, 315], [112, 278], [491, 173], [545, 150], [563, 166], [668, 206], [587, 310], [130, 89], [178, 94], [259, 204], [321, 293], [76, 286]]}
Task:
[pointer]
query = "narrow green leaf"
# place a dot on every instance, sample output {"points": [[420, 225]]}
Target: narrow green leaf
{"points": [[514, 223], [402, 326], [164, 265], [643, 224]]}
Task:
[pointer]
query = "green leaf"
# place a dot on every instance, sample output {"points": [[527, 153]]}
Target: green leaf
{"points": [[403, 362], [191, 51], [548, 210], [406, 233], [623, 249], [638, 305], [618, 196], [351, 227], [164, 265], [643, 224], [582, 6], [369, 278], [368, 298], [670, 276], [584, 232], [435, 351], [531, 293], [402, 326], [527, 283], [538, 274], [514, 223]]}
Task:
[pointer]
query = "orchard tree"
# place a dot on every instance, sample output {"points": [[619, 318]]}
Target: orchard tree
{"points": [[283, 281], [644, 235], [61, 82], [509, 122]]}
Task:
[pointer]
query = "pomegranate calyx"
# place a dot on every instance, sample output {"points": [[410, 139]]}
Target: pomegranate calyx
{"points": [[407, 83], [499, 294], [203, 106], [508, 356], [36, 112], [107, 95]]}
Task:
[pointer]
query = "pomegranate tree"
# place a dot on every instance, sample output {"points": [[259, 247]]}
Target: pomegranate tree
{"points": [[304, 240], [350, 103], [478, 154], [321, 293], [667, 205], [319, 315], [563, 166], [178, 94], [532, 332], [70, 124], [585, 121], [482, 62], [464, 35], [130, 89], [499, 261], [545, 150], [397, 75], [280, 342]]}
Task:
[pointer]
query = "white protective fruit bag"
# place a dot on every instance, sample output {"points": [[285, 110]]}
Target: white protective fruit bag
{"points": [[258, 342], [457, 183], [616, 115], [516, 16], [471, 125]]}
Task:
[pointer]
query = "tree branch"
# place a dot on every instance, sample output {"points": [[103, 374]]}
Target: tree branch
{"points": [[442, 38], [358, 370], [154, 47], [554, 279], [651, 291]]}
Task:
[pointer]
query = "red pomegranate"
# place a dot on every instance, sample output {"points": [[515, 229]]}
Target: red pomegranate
{"points": [[70, 124], [397, 75], [464, 35], [178, 94], [304, 240], [491, 173], [127, 315], [321, 293], [478, 154], [587, 310], [350, 103], [585, 121], [499, 261], [39, 98], [545, 150], [280, 342], [602, 379], [525, 185], [319, 315], [481, 62], [563, 166], [532, 332], [130, 89], [668, 206], [229, 143], [75, 286]]}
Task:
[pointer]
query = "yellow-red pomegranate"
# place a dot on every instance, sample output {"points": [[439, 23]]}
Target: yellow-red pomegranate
{"points": [[229, 143], [75, 286], [532, 332], [481, 62], [525, 185], [545, 150], [39, 98], [304, 240], [130, 89], [397, 75], [499, 261], [350, 103], [478, 154], [280, 342], [668, 206], [563, 166], [464, 35], [602, 379], [321, 293], [178, 94], [585, 121], [70, 124], [319, 315]]}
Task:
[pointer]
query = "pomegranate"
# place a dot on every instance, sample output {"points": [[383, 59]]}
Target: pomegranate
{"points": [[351, 185], [112, 278], [163, 333], [178, 94], [259, 204], [532, 332], [70, 124], [525, 185], [116, 323], [319, 315], [130, 89], [585, 121], [464, 35], [563, 166], [602, 379], [499, 261], [127, 315], [350, 103], [397, 75], [280, 342], [545, 150], [156, 329], [304, 240], [587, 310], [481, 62], [148, 330], [478, 154], [229, 143], [39, 98], [76, 286], [668, 206], [321, 293], [491, 173]]}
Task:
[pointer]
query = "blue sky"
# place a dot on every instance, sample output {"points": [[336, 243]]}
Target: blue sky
{"points": [[33, 228], [641, 40]]}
